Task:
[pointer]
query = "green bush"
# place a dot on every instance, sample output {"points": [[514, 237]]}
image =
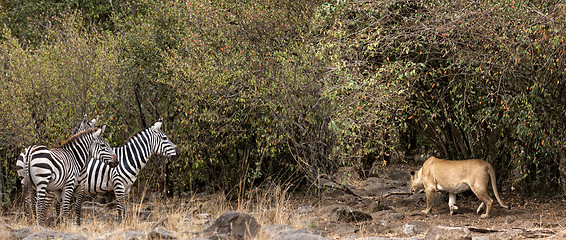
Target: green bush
{"points": [[290, 91], [474, 79]]}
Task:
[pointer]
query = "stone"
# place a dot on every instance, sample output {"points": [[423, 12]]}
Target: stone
{"points": [[345, 230], [340, 213], [160, 234], [234, 224], [306, 209], [387, 215], [379, 238], [448, 233], [378, 227], [126, 235], [302, 236], [20, 233], [133, 235], [303, 233], [54, 235], [273, 230], [410, 230], [414, 228]]}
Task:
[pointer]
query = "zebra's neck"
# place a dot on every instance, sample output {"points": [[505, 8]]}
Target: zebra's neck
{"points": [[134, 154], [78, 149]]}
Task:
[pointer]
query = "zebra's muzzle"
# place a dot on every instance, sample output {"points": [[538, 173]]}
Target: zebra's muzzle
{"points": [[114, 161], [177, 153]]}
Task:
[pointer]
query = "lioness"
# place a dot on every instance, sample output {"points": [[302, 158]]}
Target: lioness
{"points": [[456, 177]]}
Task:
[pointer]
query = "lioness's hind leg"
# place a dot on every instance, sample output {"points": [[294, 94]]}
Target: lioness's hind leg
{"points": [[451, 202], [485, 198], [481, 207]]}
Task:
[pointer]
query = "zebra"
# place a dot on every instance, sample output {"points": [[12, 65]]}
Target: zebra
{"points": [[20, 163], [132, 157], [85, 124], [59, 169]]}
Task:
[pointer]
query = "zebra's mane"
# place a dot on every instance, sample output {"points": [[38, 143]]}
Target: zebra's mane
{"points": [[78, 135], [135, 134]]}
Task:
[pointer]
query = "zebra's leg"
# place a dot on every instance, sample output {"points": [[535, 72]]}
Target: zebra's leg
{"points": [[40, 206], [57, 197], [121, 198], [78, 204], [120, 193], [29, 207], [66, 196], [120, 202]]}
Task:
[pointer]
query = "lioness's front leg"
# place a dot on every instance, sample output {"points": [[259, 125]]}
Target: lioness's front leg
{"points": [[430, 196], [451, 202]]}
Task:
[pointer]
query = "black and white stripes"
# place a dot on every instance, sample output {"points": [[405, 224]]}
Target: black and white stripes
{"points": [[58, 169], [20, 164], [132, 157]]}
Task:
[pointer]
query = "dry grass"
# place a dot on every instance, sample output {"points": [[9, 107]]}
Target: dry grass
{"points": [[184, 217]]}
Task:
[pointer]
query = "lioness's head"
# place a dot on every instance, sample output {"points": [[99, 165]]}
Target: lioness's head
{"points": [[416, 181]]}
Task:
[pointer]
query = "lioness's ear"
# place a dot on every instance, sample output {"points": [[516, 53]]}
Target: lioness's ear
{"points": [[412, 173]]}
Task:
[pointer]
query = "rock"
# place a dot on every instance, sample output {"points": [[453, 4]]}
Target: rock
{"points": [[413, 228], [448, 233], [41, 235], [379, 238], [481, 238], [302, 233], [20, 233], [160, 234], [387, 215], [345, 230], [133, 235], [302, 236], [126, 235], [410, 230], [510, 219], [374, 207], [378, 227], [273, 230], [341, 213], [306, 209], [234, 224]]}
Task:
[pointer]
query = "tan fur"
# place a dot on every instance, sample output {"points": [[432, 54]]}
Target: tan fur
{"points": [[456, 177]]}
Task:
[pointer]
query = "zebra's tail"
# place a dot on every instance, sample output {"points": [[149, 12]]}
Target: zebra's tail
{"points": [[27, 176]]}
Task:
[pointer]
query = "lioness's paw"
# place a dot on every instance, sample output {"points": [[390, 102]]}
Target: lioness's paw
{"points": [[484, 215]]}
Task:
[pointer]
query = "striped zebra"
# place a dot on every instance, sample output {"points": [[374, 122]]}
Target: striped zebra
{"points": [[132, 157], [20, 163], [59, 169]]}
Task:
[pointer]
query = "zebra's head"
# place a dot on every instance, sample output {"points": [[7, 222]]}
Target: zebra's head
{"points": [[101, 150], [161, 144], [85, 124]]}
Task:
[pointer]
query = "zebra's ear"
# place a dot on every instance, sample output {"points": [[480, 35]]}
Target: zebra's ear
{"points": [[157, 125], [99, 132], [94, 121]]}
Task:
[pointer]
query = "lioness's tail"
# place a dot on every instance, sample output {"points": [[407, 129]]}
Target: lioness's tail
{"points": [[494, 186]]}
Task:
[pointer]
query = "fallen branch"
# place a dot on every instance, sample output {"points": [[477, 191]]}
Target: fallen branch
{"points": [[341, 188], [391, 194]]}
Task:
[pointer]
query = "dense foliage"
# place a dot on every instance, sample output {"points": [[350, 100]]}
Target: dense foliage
{"points": [[282, 91]]}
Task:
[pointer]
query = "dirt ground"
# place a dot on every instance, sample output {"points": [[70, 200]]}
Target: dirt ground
{"points": [[527, 218], [316, 211]]}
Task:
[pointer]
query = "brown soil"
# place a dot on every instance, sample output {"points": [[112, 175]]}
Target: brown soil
{"points": [[186, 217], [534, 218]]}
